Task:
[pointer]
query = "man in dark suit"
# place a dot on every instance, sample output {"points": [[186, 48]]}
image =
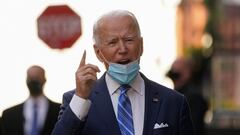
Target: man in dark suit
{"points": [[123, 101], [24, 119], [0, 125], [182, 73]]}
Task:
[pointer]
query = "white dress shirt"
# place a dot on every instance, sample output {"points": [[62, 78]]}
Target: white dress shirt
{"points": [[136, 94], [42, 104]]}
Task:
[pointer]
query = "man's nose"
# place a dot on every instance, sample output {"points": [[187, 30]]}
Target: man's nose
{"points": [[122, 46]]}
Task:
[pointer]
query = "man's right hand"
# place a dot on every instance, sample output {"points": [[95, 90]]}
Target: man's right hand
{"points": [[86, 75]]}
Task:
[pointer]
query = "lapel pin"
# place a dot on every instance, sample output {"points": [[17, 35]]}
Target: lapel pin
{"points": [[155, 100]]}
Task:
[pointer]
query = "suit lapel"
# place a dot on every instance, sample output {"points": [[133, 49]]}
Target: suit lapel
{"points": [[152, 106], [47, 122], [13, 120], [20, 121], [101, 100]]}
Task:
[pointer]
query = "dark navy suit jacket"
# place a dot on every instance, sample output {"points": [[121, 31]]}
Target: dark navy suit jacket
{"points": [[13, 119], [162, 105]]}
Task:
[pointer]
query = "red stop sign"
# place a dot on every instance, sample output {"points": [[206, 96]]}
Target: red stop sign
{"points": [[59, 26]]}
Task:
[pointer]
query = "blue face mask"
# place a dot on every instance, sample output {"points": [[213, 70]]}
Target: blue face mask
{"points": [[124, 74]]}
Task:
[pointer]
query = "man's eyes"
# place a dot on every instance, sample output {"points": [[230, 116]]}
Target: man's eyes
{"points": [[129, 39], [115, 41], [112, 42]]}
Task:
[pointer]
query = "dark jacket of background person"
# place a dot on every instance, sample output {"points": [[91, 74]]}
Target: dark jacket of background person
{"points": [[0, 125], [182, 74], [13, 119]]}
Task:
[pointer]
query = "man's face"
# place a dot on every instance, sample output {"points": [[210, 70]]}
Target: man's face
{"points": [[35, 81], [119, 41], [183, 70]]}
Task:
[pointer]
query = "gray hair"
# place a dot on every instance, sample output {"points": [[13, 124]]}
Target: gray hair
{"points": [[117, 13]]}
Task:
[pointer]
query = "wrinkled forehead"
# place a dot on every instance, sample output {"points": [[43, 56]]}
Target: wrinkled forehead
{"points": [[120, 24]]}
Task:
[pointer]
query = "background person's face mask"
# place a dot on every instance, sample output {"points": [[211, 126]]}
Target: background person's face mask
{"points": [[35, 87], [174, 75]]}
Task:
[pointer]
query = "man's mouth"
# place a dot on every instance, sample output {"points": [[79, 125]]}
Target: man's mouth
{"points": [[124, 61]]}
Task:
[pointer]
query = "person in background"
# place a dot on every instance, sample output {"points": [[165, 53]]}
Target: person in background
{"points": [[182, 74], [0, 125], [37, 115], [123, 101]]}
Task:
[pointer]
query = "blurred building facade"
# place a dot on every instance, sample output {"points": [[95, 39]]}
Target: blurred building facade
{"points": [[209, 30], [226, 65], [192, 17]]}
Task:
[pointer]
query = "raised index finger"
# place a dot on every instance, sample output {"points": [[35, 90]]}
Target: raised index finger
{"points": [[82, 63]]}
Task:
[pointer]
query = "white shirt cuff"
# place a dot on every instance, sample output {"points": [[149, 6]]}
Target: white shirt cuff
{"points": [[80, 106]]}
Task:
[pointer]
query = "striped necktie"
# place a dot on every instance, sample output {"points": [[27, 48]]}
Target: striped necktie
{"points": [[125, 120], [34, 129]]}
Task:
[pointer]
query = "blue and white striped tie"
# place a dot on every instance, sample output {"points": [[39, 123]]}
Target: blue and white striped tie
{"points": [[34, 130], [125, 120]]}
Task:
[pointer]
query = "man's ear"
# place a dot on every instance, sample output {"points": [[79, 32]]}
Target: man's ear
{"points": [[98, 53], [141, 46]]}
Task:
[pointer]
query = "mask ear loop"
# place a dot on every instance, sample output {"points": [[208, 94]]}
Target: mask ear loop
{"points": [[104, 58]]}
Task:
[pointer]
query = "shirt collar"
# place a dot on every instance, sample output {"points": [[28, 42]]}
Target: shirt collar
{"points": [[137, 85], [39, 100]]}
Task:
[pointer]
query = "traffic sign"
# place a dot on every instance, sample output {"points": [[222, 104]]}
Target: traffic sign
{"points": [[59, 26]]}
